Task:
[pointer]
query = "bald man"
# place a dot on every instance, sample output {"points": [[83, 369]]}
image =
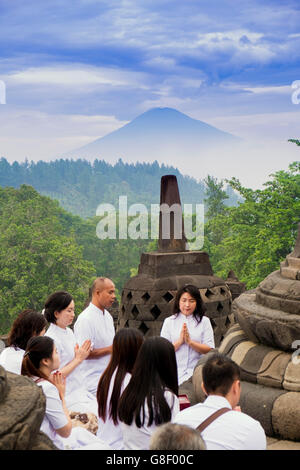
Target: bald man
{"points": [[96, 323]]}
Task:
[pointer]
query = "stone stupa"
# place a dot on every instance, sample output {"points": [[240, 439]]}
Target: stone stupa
{"points": [[265, 342], [147, 298]]}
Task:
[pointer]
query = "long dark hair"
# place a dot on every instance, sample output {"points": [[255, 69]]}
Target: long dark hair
{"points": [[28, 323], [56, 302], [195, 293], [126, 345], [38, 348], [154, 372]]}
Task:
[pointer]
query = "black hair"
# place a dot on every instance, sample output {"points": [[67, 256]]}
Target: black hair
{"points": [[28, 323], [154, 372], [195, 293], [125, 347], [218, 374], [56, 302], [38, 348]]}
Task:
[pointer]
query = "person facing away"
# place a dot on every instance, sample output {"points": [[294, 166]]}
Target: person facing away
{"points": [[151, 397], [233, 430], [59, 311], [115, 378], [172, 436], [189, 330], [41, 363], [96, 324], [27, 324]]}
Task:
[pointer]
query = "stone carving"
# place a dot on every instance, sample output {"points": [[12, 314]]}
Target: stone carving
{"points": [[147, 299], [236, 287], [263, 343], [22, 408]]}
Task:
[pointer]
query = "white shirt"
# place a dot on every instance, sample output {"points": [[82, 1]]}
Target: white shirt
{"points": [[77, 396], [11, 359], [233, 430], [55, 418], [107, 430], [98, 326], [139, 438], [187, 357]]}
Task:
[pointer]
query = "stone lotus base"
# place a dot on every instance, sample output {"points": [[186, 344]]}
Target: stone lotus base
{"points": [[270, 326], [270, 383]]}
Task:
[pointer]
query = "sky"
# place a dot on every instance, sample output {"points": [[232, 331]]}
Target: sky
{"points": [[72, 71]]}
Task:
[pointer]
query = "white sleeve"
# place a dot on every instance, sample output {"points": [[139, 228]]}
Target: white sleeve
{"points": [[83, 331], [165, 330], [207, 336], [54, 409]]}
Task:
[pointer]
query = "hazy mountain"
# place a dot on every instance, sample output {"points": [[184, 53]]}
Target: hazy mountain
{"points": [[153, 135]]}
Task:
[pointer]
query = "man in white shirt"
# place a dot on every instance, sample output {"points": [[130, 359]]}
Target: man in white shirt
{"points": [[96, 323], [232, 430]]}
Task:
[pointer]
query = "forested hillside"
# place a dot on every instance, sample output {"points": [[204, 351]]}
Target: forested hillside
{"points": [[80, 186], [44, 248]]}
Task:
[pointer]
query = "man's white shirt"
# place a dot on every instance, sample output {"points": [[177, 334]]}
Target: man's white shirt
{"points": [[98, 326], [233, 430]]}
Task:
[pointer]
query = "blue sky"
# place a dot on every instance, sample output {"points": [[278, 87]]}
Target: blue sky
{"points": [[75, 70]]}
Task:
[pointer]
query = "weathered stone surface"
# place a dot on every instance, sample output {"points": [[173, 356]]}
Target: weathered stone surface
{"points": [[257, 401], [273, 367], [22, 408], [292, 377], [286, 416], [234, 336], [169, 198], [236, 287], [266, 325]]}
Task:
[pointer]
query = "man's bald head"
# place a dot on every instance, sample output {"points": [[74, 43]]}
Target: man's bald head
{"points": [[103, 292]]}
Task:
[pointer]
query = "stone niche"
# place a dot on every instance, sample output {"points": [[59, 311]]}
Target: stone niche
{"points": [[265, 343], [148, 298]]}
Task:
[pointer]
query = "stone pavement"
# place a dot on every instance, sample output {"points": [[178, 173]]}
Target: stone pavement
{"points": [[278, 444]]}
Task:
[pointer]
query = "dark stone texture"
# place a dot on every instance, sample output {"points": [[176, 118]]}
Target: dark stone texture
{"points": [[22, 408]]}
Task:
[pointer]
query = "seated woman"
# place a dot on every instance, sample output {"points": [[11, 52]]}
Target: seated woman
{"points": [[114, 379], [151, 397], [59, 312], [41, 363], [189, 330], [28, 323]]}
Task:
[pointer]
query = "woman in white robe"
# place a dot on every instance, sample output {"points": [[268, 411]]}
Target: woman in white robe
{"points": [[112, 383], [189, 330], [151, 397], [59, 312], [41, 363], [28, 323]]}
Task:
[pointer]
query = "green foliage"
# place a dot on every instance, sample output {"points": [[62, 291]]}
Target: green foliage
{"points": [[215, 197], [295, 141], [254, 237], [80, 186], [43, 248], [37, 256]]}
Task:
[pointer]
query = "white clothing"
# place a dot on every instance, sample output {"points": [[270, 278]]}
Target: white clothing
{"points": [[55, 418], [98, 326], [139, 438], [11, 359], [77, 396], [187, 357], [107, 430], [233, 430]]}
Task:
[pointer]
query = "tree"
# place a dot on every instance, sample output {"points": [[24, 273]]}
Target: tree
{"points": [[254, 237], [36, 256], [215, 197]]}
